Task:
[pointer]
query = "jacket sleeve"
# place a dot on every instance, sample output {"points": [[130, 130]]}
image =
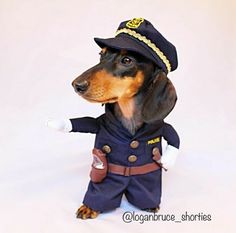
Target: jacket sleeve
{"points": [[171, 136], [85, 125]]}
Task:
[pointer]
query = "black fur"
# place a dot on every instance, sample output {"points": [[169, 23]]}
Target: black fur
{"points": [[159, 100]]}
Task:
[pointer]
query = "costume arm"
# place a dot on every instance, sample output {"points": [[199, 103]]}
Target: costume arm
{"points": [[171, 152], [83, 125], [171, 136]]}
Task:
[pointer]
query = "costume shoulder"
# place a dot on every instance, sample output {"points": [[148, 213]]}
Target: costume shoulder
{"points": [[171, 135]]}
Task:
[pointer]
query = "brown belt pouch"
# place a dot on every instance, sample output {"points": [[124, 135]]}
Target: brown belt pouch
{"points": [[99, 166]]}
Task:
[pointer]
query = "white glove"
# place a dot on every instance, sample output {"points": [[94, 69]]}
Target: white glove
{"points": [[169, 157], [60, 125]]}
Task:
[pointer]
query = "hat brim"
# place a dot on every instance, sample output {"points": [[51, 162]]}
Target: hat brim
{"points": [[130, 44]]}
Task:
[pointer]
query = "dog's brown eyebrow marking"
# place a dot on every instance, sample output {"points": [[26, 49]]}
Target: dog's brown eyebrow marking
{"points": [[123, 52], [103, 51]]}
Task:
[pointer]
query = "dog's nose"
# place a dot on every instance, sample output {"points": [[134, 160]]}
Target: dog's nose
{"points": [[81, 87]]}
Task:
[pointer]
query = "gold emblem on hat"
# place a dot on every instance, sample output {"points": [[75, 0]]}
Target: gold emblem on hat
{"points": [[134, 23]]}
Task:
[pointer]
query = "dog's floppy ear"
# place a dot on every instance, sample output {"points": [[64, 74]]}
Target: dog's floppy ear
{"points": [[159, 99]]}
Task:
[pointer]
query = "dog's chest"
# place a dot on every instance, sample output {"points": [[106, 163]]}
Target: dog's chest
{"points": [[133, 123]]}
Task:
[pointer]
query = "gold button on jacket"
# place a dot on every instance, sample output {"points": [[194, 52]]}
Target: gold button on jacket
{"points": [[134, 144], [106, 149], [132, 158], [155, 151]]}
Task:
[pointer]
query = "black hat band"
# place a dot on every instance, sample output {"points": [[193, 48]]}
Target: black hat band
{"points": [[149, 43]]}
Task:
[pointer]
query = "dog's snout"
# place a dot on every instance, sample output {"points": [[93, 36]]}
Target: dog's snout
{"points": [[81, 86]]}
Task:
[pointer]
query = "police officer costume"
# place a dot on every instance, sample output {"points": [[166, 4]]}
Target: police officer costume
{"points": [[131, 167]]}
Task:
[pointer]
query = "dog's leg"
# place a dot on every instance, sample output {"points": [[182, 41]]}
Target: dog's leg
{"points": [[84, 212]]}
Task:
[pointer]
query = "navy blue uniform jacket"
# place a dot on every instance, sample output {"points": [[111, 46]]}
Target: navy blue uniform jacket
{"points": [[143, 191]]}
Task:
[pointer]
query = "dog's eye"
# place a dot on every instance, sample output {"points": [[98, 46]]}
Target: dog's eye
{"points": [[126, 61]]}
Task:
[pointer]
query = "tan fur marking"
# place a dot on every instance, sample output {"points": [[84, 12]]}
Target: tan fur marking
{"points": [[103, 50], [127, 107], [106, 88]]}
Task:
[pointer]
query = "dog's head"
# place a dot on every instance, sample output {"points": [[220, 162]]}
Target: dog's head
{"points": [[121, 75]]}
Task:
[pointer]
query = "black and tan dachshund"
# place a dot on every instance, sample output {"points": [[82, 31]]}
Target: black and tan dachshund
{"points": [[139, 92], [137, 87]]}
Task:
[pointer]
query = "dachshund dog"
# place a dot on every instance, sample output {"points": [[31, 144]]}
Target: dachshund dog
{"points": [[138, 89], [139, 96]]}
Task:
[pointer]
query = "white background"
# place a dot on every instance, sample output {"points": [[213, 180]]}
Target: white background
{"points": [[44, 45]]}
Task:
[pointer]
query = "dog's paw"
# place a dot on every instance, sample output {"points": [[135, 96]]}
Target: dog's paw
{"points": [[152, 210], [84, 212]]}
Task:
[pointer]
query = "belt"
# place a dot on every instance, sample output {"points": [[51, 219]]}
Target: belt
{"points": [[130, 171]]}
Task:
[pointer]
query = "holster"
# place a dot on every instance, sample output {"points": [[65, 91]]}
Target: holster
{"points": [[99, 166]]}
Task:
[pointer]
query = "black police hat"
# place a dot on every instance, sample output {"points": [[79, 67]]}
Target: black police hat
{"points": [[139, 35]]}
